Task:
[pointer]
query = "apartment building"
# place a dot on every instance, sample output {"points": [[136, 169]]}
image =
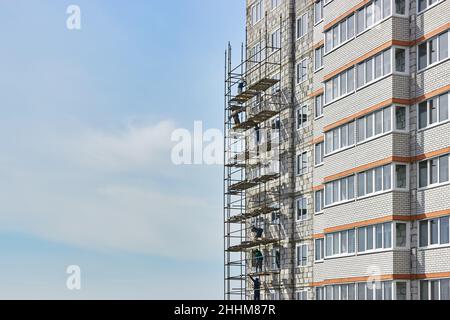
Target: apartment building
{"points": [[354, 97]]}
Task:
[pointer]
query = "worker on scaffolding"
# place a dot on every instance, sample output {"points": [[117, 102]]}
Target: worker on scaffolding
{"points": [[258, 232], [256, 288], [241, 86], [259, 258]]}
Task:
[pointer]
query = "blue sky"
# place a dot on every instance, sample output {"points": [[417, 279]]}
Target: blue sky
{"points": [[85, 171]]}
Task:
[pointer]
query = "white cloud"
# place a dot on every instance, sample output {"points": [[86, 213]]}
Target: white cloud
{"points": [[88, 200]]}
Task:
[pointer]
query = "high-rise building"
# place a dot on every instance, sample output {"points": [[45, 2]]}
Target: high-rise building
{"points": [[337, 152]]}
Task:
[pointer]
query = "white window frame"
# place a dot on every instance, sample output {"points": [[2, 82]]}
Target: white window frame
{"points": [[429, 288], [299, 259], [300, 293], [428, 7], [275, 39], [321, 146], [257, 10], [429, 184], [340, 148], [300, 67], [438, 122], [339, 184], [303, 112], [300, 24], [276, 3], [321, 98], [438, 61], [322, 199], [320, 66], [303, 201], [302, 163], [374, 249], [429, 245], [316, 22], [340, 254], [322, 248]]}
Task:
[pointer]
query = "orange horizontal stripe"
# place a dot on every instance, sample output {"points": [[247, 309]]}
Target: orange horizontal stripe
{"points": [[366, 111], [435, 275], [318, 140], [432, 94], [366, 56], [316, 93], [318, 236], [368, 166], [385, 277], [318, 44], [345, 14], [431, 154], [367, 223], [318, 188], [431, 215], [433, 33]]}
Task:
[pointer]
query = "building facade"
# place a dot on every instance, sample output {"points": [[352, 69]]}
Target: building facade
{"points": [[362, 181]]}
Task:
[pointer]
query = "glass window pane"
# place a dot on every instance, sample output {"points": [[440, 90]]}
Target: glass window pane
{"points": [[329, 292], [423, 290], [369, 70], [387, 289], [378, 66], [400, 118], [400, 176], [361, 239], [434, 290], [379, 236], [387, 235], [422, 56], [387, 177], [378, 122], [400, 60], [369, 125], [370, 291], [369, 15], [344, 189], [434, 170], [361, 184], [369, 182], [351, 187], [344, 292], [361, 131], [423, 233], [445, 289], [400, 7], [433, 49], [387, 62], [386, 8], [360, 75], [343, 31], [434, 231], [350, 80], [443, 169], [423, 113], [328, 245], [443, 46], [400, 232], [351, 133], [335, 36], [401, 290], [344, 137], [360, 21], [344, 242], [351, 241], [444, 226], [369, 236], [336, 293], [351, 26], [433, 108], [361, 291], [377, 10], [336, 191], [387, 120], [423, 174], [378, 179], [335, 243], [443, 107], [351, 291]]}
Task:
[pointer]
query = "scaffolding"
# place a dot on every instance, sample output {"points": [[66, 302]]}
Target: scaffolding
{"points": [[253, 172]]}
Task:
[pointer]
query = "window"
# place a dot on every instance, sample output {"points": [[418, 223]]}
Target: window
{"points": [[320, 294], [318, 201], [340, 138], [379, 66], [275, 3], [433, 51], [318, 11], [302, 295], [302, 255], [257, 11], [434, 232], [376, 11], [400, 7], [318, 153], [433, 111], [379, 179], [302, 26], [424, 4], [302, 117], [302, 71], [340, 190], [318, 105], [361, 291], [380, 122], [375, 237], [302, 209], [435, 289], [339, 33], [302, 163], [318, 58], [339, 85], [434, 171], [276, 40], [340, 243], [318, 245]]}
